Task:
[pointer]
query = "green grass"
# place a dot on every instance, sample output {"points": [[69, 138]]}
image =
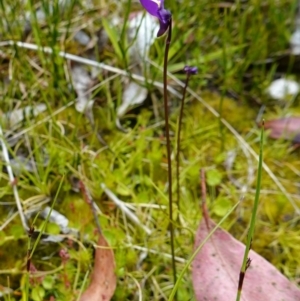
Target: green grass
{"points": [[225, 44]]}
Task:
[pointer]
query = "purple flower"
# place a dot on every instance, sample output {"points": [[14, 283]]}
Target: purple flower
{"points": [[156, 9], [190, 70]]}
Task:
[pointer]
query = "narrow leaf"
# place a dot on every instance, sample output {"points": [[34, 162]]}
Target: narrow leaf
{"points": [[114, 37]]}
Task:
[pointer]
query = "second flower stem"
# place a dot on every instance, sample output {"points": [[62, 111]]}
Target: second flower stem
{"points": [[178, 138]]}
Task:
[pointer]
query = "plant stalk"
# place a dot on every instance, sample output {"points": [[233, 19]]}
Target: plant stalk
{"points": [[178, 137], [246, 260], [167, 129]]}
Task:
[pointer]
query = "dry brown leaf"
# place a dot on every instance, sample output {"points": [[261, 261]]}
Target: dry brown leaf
{"points": [[286, 128], [104, 280], [217, 266], [82, 83]]}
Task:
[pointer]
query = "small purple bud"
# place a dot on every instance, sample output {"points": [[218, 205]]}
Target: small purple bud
{"points": [[156, 9], [190, 70]]}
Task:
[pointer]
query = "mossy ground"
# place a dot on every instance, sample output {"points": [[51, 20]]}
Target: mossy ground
{"points": [[225, 42]]}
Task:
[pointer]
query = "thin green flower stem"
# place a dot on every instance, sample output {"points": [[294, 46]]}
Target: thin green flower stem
{"points": [[246, 260], [178, 137], [167, 129]]}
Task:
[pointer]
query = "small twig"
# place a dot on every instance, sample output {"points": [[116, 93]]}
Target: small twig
{"points": [[28, 261], [89, 200], [124, 208], [12, 180], [203, 199]]}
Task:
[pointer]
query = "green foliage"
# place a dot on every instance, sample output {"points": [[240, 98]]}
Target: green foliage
{"points": [[213, 177], [221, 206], [52, 228], [226, 44], [48, 282], [37, 293]]}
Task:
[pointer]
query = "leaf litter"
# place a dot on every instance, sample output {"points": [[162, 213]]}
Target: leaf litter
{"points": [[216, 269], [14, 117], [141, 33], [104, 280], [285, 128]]}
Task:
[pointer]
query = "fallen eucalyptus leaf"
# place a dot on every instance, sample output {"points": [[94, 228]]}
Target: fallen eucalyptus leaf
{"points": [[287, 128], [216, 269], [104, 280]]}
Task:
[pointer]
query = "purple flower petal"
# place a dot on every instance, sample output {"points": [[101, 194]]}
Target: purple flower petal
{"points": [[152, 6], [156, 9], [164, 17], [162, 28]]}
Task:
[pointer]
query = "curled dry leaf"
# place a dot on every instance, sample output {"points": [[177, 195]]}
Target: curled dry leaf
{"points": [[82, 82], [142, 31], [14, 117], [104, 280], [134, 94], [287, 128], [216, 269], [56, 218], [281, 88]]}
